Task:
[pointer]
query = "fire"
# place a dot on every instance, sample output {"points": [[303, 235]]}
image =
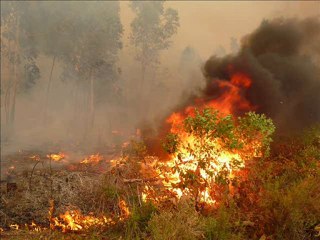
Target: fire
{"points": [[73, 220], [228, 102], [57, 157], [92, 159], [124, 210], [34, 227], [178, 166], [14, 226]]}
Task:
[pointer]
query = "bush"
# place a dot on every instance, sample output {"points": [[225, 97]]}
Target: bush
{"points": [[221, 226]]}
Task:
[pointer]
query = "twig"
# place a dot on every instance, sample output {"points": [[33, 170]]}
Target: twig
{"points": [[134, 180], [30, 179]]}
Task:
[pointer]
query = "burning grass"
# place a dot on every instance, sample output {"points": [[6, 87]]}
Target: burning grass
{"points": [[197, 193]]}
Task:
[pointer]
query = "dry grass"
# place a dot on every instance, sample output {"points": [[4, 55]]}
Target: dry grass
{"points": [[70, 190]]}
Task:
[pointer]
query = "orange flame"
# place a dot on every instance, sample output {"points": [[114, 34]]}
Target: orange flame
{"points": [[92, 159], [73, 220], [124, 210], [57, 157], [228, 102]]}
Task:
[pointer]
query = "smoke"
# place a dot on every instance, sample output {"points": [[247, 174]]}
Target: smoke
{"points": [[95, 101], [282, 58]]}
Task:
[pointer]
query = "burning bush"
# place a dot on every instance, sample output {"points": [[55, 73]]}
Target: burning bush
{"points": [[207, 150]]}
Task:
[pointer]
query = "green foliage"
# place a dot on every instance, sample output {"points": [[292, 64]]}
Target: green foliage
{"points": [[136, 225], [215, 138], [254, 125], [136, 149], [221, 226], [311, 136], [170, 145]]}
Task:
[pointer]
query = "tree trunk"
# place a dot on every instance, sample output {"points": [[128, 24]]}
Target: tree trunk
{"points": [[73, 121], [8, 91], [92, 108], [143, 71], [88, 108], [7, 104], [48, 90], [16, 80]]}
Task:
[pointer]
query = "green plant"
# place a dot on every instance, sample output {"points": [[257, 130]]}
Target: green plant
{"points": [[210, 147], [136, 225], [221, 226]]}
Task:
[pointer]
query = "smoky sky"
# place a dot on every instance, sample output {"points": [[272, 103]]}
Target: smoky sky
{"points": [[282, 59]]}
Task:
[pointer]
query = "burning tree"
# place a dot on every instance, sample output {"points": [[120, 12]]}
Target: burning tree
{"points": [[208, 148]]}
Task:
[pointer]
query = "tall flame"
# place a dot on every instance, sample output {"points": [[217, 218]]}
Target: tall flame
{"points": [[230, 100]]}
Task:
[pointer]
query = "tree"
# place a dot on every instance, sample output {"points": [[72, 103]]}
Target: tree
{"points": [[85, 37], [234, 45], [189, 58], [209, 148], [93, 60], [152, 29], [19, 51]]}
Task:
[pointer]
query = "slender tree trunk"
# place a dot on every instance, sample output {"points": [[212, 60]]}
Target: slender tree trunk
{"points": [[142, 94], [16, 80], [7, 104], [143, 71], [13, 106], [48, 90], [73, 121], [92, 107], [8, 91], [87, 109]]}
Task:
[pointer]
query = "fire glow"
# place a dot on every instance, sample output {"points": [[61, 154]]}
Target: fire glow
{"points": [[92, 159], [231, 100], [73, 220], [56, 157]]}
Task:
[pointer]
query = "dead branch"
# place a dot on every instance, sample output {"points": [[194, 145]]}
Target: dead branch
{"points": [[134, 180]]}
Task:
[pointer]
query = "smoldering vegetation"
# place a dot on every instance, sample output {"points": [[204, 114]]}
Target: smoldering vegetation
{"points": [[282, 59]]}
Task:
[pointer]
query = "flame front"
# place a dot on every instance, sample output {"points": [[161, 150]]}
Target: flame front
{"points": [[57, 157], [174, 170], [73, 220], [92, 159]]}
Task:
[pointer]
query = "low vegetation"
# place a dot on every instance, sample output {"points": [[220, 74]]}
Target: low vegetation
{"points": [[275, 195]]}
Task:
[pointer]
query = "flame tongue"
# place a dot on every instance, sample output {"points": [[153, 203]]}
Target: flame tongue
{"points": [[173, 172], [92, 159], [229, 101], [73, 220], [57, 157]]}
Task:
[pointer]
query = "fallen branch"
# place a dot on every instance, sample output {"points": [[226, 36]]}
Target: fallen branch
{"points": [[134, 180]]}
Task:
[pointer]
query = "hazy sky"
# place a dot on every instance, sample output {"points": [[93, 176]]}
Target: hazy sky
{"points": [[205, 25]]}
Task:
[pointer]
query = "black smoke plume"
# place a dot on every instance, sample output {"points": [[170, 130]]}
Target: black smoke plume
{"points": [[282, 57]]}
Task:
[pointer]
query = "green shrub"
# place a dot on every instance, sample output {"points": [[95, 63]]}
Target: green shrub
{"points": [[136, 225], [221, 226]]}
